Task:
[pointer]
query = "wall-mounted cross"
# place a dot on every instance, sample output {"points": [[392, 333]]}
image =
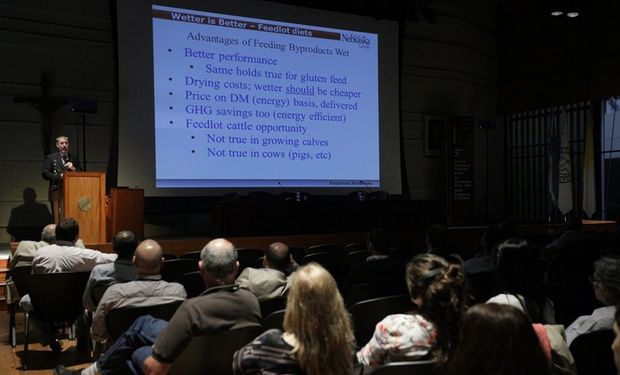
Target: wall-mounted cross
{"points": [[46, 105]]}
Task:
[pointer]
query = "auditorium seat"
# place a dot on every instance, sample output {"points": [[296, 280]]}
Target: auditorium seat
{"points": [[323, 248], [193, 283], [407, 367], [213, 352], [366, 314], [21, 278], [172, 269], [56, 299], [119, 320]]}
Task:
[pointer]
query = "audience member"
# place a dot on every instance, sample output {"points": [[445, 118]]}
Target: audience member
{"points": [[498, 339], [64, 256], [615, 346], [124, 244], [317, 337], [606, 284], [26, 250], [378, 265], [482, 261], [273, 279], [519, 280], [148, 290], [23, 256], [437, 243], [151, 345], [438, 290]]}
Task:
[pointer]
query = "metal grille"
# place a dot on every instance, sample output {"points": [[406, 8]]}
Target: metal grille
{"points": [[528, 143]]}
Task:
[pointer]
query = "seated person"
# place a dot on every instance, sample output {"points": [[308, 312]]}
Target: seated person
{"points": [[438, 290], [519, 278], [26, 249], [378, 265], [615, 346], [62, 256], [124, 244], [317, 337], [273, 280], [498, 339], [151, 345], [148, 290], [606, 284]]}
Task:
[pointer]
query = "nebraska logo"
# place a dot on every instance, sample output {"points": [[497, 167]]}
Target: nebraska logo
{"points": [[353, 38]]}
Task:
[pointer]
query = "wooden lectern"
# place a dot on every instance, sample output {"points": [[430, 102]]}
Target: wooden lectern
{"points": [[83, 199], [125, 211]]}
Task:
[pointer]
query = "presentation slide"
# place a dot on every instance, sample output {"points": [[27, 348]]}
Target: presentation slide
{"points": [[252, 102], [242, 102]]}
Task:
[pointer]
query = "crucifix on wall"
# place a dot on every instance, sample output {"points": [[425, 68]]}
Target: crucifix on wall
{"points": [[46, 105]]}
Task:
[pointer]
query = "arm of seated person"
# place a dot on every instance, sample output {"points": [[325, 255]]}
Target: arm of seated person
{"points": [[151, 366]]}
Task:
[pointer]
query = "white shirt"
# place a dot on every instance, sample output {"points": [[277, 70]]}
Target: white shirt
{"points": [[601, 318], [60, 258]]}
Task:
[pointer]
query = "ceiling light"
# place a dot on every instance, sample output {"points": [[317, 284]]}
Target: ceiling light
{"points": [[572, 14], [556, 13]]}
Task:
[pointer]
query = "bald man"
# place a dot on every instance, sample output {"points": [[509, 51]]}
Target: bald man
{"points": [[273, 279], [153, 344], [148, 290]]}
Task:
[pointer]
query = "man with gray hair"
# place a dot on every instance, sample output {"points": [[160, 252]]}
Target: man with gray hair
{"points": [[152, 344], [606, 284], [26, 250]]}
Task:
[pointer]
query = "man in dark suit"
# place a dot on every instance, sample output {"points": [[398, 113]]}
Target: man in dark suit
{"points": [[55, 166]]}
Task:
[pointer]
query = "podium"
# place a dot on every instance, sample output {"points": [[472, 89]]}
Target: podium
{"points": [[83, 199], [125, 211]]}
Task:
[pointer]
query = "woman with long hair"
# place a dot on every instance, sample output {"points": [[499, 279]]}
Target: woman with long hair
{"points": [[438, 290], [519, 278], [317, 337], [498, 339]]}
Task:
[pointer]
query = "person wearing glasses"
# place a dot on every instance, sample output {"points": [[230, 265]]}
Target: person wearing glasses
{"points": [[606, 284]]}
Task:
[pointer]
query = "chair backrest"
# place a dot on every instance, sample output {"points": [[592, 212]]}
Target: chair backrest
{"points": [[57, 297], [378, 288], [213, 353], [249, 252], [169, 256], [323, 248], [193, 283], [407, 368], [21, 278], [333, 261], [323, 258], [274, 320], [354, 246], [354, 257], [273, 304], [193, 255], [592, 353], [119, 320], [97, 292], [172, 269], [366, 314], [297, 252]]}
